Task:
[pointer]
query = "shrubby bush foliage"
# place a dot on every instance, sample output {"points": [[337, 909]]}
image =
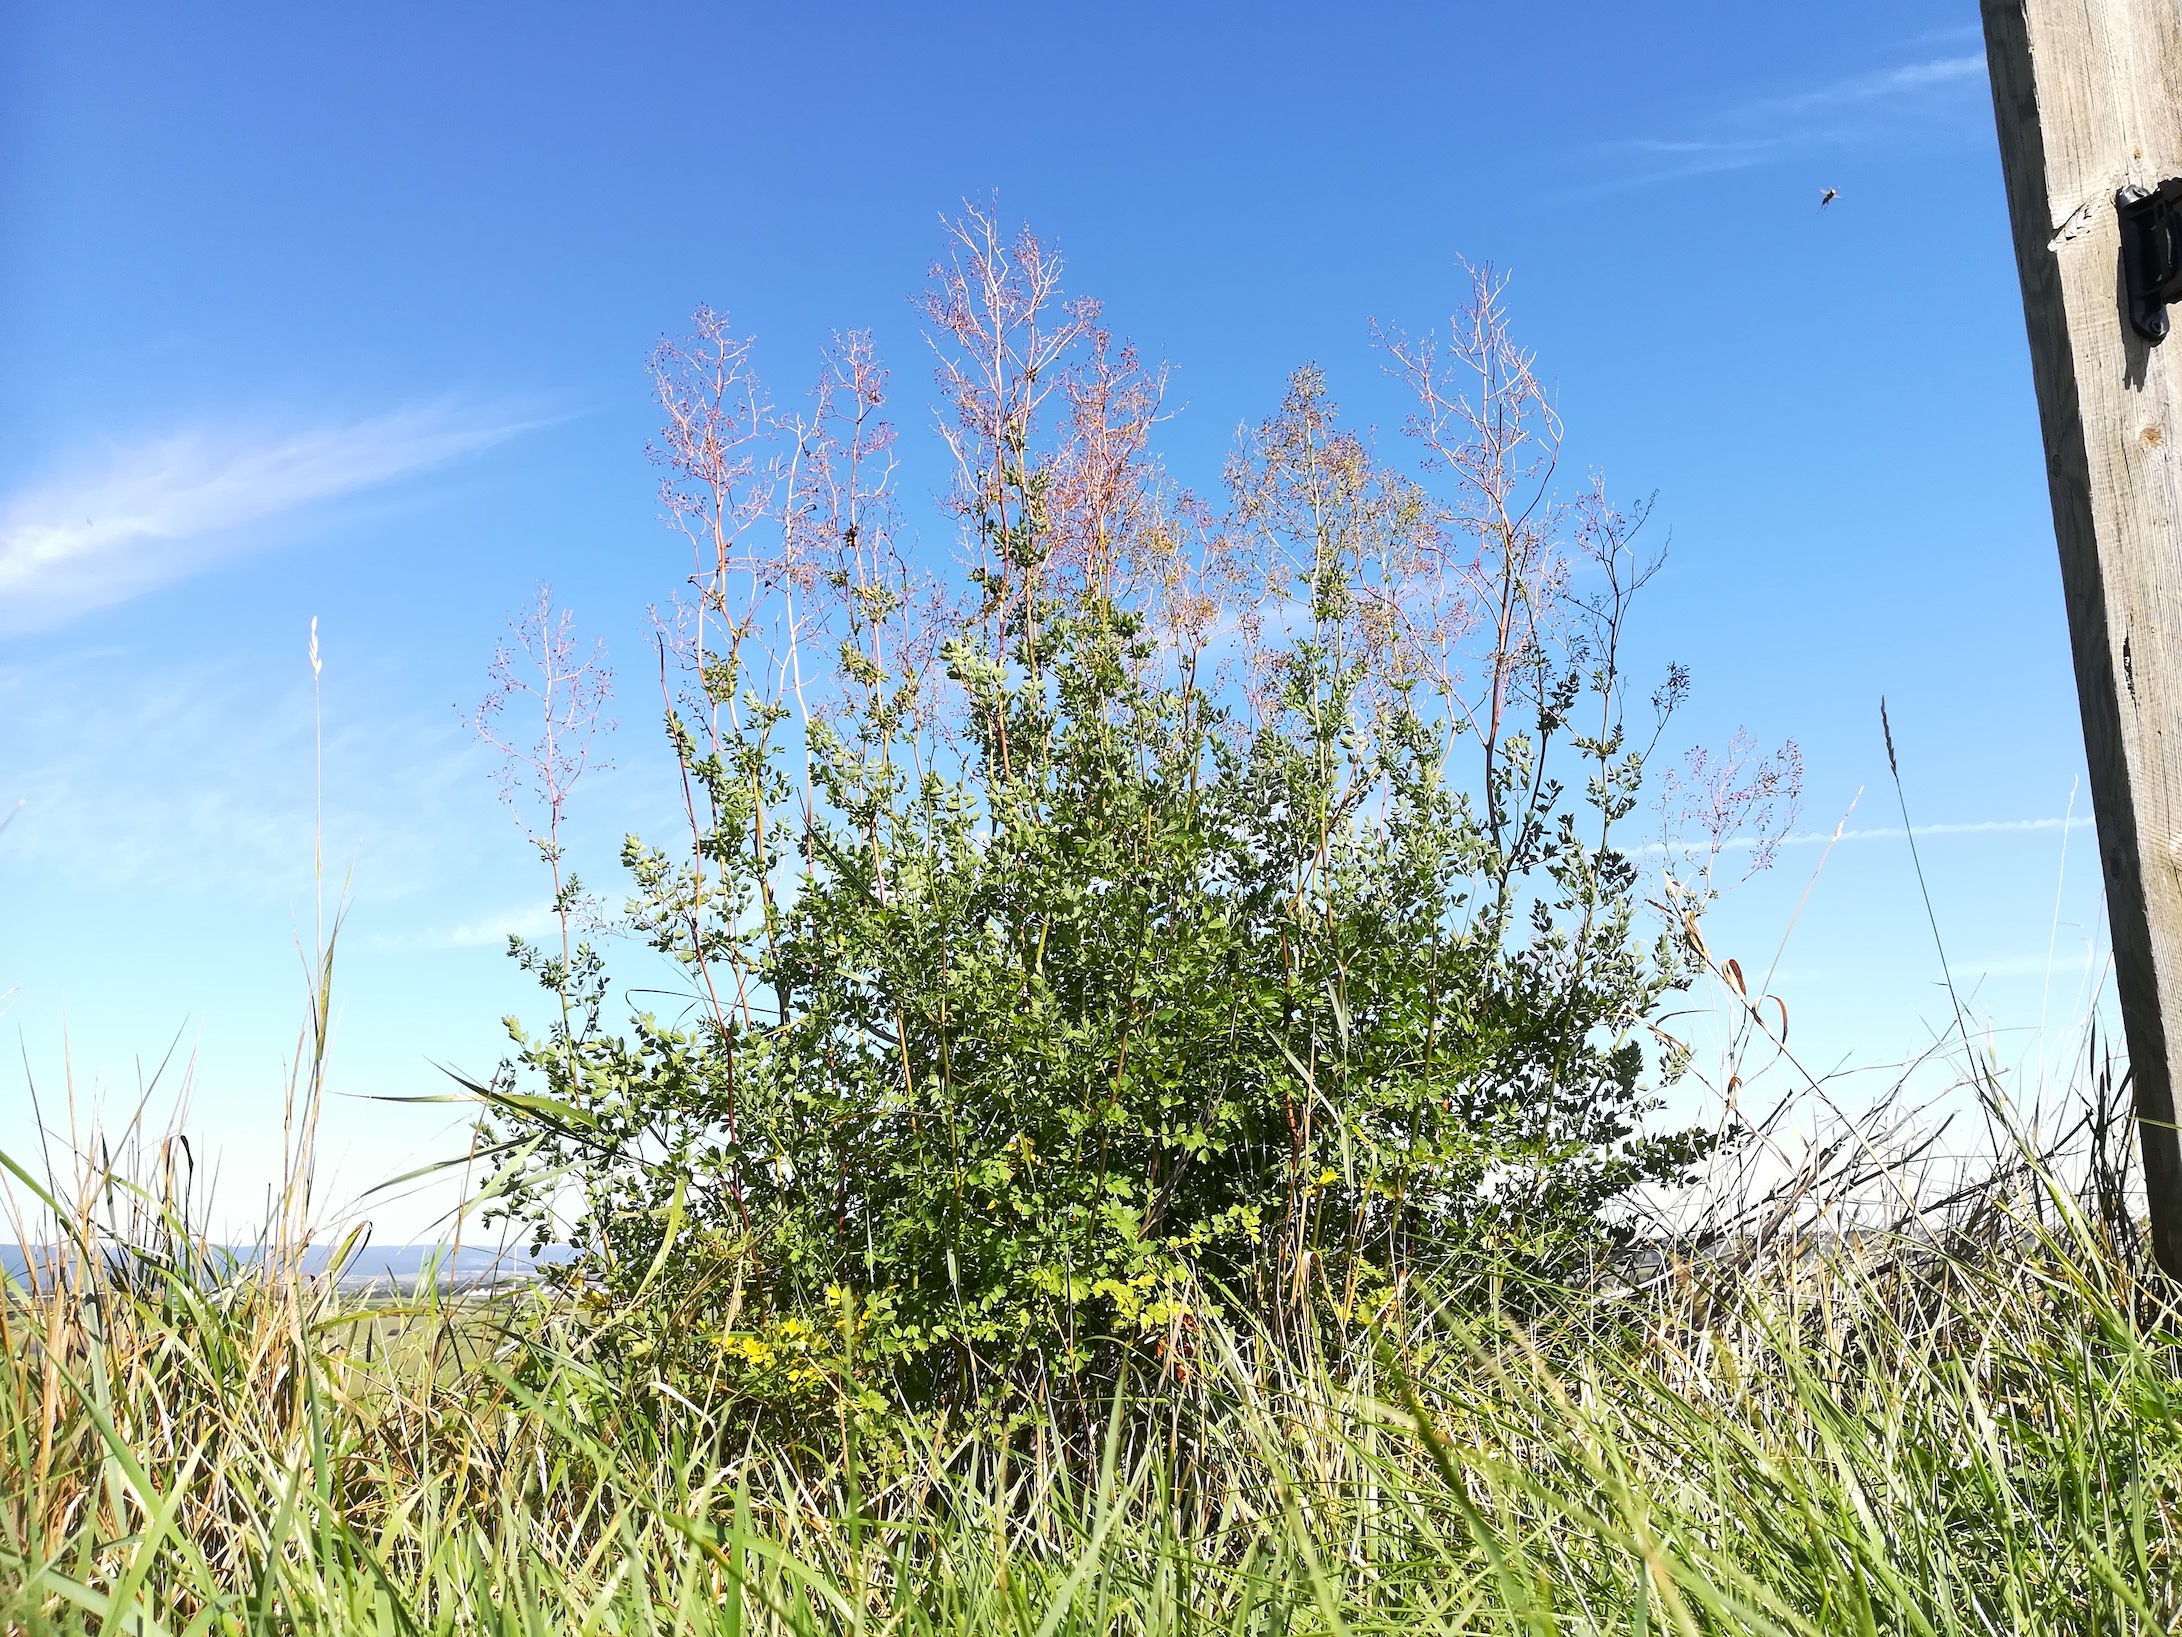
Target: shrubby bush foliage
{"points": [[1193, 902]]}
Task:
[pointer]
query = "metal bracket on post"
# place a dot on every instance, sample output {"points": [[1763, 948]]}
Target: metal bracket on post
{"points": [[2151, 253]]}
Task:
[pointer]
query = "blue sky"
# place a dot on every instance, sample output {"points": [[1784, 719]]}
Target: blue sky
{"points": [[342, 313]]}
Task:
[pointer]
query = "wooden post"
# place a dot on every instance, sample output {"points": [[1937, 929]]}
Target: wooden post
{"points": [[2088, 98]]}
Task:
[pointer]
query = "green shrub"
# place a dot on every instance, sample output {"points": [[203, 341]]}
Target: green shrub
{"points": [[1189, 907]]}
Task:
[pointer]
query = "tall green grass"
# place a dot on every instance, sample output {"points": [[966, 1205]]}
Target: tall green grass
{"points": [[1965, 1418]]}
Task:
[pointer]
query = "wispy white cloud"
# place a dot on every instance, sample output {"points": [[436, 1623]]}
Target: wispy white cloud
{"points": [[1980, 827], [1891, 832], [1908, 79], [1963, 36], [1764, 130], [2065, 960], [490, 931], [139, 772], [1671, 161], [147, 513]]}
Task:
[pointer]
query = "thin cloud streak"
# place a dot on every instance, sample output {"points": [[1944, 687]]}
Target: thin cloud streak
{"points": [[1725, 157], [1795, 121], [2074, 958], [1897, 833], [170, 506], [484, 932], [1908, 79], [1809, 838]]}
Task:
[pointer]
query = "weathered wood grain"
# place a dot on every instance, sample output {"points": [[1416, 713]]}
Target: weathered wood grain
{"points": [[2084, 95]]}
